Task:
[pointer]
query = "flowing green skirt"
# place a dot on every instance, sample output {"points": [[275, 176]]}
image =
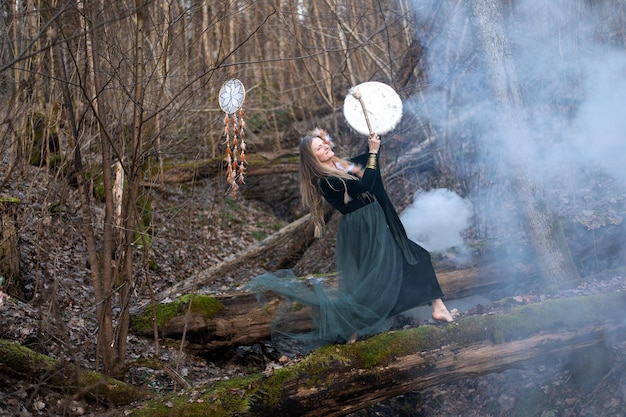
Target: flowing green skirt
{"points": [[374, 282]]}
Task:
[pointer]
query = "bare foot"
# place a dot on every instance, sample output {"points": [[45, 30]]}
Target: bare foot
{"points": [[443, 316], [440, 311]]}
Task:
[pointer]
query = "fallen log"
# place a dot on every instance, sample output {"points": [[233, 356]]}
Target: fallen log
{"points": [[340, 379], [258, 164], [239, 320], [22, 362]]}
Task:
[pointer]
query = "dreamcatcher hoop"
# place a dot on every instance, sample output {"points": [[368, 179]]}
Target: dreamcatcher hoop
{"points": [[231, 98], [372, 107]]}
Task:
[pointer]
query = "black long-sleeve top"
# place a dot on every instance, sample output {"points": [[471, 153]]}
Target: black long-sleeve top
{"points": [[363, 191], [359, 190]]}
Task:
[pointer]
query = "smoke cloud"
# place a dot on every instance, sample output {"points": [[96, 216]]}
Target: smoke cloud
{"points": [[570, 68], [436, 220], [599, 130]]}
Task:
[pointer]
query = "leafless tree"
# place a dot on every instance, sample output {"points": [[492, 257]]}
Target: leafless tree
{"points": [[125, 85]]}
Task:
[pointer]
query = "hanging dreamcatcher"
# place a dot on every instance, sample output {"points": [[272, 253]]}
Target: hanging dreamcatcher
{"points": [[232, 95]]}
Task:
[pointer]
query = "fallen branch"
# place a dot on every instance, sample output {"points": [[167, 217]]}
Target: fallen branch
{"points": [[301, 228]]}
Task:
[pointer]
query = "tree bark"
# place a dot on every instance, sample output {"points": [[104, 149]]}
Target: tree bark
{"points": [[105, 320], [351, 389], [340, 379], [552, 252], [96, 98], [9, 247]]}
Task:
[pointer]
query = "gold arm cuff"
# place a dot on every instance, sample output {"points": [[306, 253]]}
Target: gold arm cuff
{"points": [[371, 162]]}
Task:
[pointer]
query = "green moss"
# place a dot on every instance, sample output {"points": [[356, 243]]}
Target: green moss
{"points": [[247, 395], [270, 391], [108, 390], [7, 199], [525, 320], [225, 399], [203, 305], [22, 360], [238, 395], [313, 371], [259, 235], [383, 348]]}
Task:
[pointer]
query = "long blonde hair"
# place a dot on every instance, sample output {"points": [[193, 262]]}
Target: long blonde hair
{"points": [[311, 170]]}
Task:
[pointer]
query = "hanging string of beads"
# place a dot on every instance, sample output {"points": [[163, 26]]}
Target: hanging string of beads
{"points": [[235, 156]]}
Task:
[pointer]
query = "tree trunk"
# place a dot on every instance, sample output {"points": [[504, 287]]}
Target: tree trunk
{"points": [[9, 248], [132, 223], [340, 379], [105, 320], [96, 99], [353, 388], [544, 230]]}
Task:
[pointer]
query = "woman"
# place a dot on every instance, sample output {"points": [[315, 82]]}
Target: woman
{"points": [[380, 272]]}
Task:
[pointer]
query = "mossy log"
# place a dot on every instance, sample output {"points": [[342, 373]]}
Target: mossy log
{"points": [[258, 165], [233, 320], [19, 361], [339, 379], [240, 320], [270, 178]]}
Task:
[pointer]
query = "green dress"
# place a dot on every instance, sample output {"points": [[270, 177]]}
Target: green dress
{"points": [[380, 272]]}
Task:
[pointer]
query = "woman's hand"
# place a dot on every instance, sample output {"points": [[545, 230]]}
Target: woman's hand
{"points": [[373, 142]]}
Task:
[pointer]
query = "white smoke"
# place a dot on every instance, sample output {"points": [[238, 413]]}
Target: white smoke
{"points": [[599, 131], [570, 68], [436, 220]]}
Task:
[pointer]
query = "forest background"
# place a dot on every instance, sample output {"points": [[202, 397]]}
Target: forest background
{"points": [[516, 107]]}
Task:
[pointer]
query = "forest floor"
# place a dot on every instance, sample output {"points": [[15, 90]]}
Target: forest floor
{"points": [[194, 229]]}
